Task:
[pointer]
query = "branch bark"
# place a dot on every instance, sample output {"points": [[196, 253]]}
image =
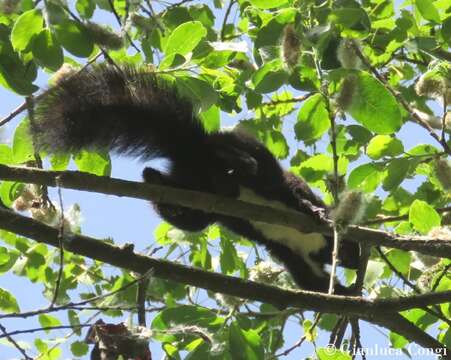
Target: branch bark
{"points": [[373, 311], [220, 205]]}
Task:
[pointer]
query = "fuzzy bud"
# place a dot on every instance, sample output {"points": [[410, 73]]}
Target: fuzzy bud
{"points": [[28, 197], [20, 204], [436, 83], [448, 120], [443, 173], [440, 233], [425, 281], [228, 301], [350, 209], [141, 22], [47, 215], [434, 121], [346, 54], [290, 46], [104, 36], [347, 91], [242, 64], [8, 7], [265, 272]]}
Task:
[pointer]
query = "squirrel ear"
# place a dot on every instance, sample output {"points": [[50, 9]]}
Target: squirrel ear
{"points": [[237, 160]]}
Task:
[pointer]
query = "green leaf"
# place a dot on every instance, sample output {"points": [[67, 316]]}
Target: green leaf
{"points": [[8, 302], [198, 90], [428, 10], [227, 257], [16, 73], [74, 320], [373, 273], [400, 259], [184, 315], [6, 154], [313, 119], [79, 348], [276, 143], [384, 145], [172, 61], [185, 38], [265, 4], [269, 77], [397, 341], [423, 216], [366, 177], [374, 106], [396, 173], [446, 31], [60, 161], [9, 191], [93, 162], [245, 345], [4, 256], [85, 8], [211, 119], [23, 150], [48, 321], [354, 20], [359, 133], [316, 167], [25, 28], [74, 38], [47, 51]]}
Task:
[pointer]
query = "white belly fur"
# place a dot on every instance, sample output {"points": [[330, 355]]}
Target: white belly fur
{"points": [[301, 243]]}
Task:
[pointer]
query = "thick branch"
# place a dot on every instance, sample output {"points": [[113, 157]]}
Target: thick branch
{"points": [[220, 205], [374, 311]]}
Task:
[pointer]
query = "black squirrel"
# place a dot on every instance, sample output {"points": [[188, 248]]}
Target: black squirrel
{"points": [[132, 111]]}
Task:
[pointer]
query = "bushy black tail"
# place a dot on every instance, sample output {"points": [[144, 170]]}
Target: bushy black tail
{"points": [[125, 109]]}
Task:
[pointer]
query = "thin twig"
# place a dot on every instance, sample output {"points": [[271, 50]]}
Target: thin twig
{"points": [[151, 13], [88, 321], [384, 219], [445, 108], [178, 4], [302, 338], [356, 345], [141, 302], [75, 304], [333, 269], [14, 342], [116, 15], [338, 332], [295, 99], [24, 105], [46, 328], [443, 273], [61, 247], [13, 114], [224, 22]]}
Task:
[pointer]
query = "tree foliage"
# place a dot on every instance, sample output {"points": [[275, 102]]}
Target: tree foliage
{"points": [[351, 95]]}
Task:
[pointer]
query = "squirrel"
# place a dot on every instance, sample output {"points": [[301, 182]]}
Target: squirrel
{"points": [[132, 111]]}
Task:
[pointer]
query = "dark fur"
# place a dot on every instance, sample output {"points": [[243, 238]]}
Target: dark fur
{"points": [[131, 111]]}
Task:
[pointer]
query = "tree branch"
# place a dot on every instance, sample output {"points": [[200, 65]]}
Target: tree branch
{"points": [[374, 311], [221, 205]]}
